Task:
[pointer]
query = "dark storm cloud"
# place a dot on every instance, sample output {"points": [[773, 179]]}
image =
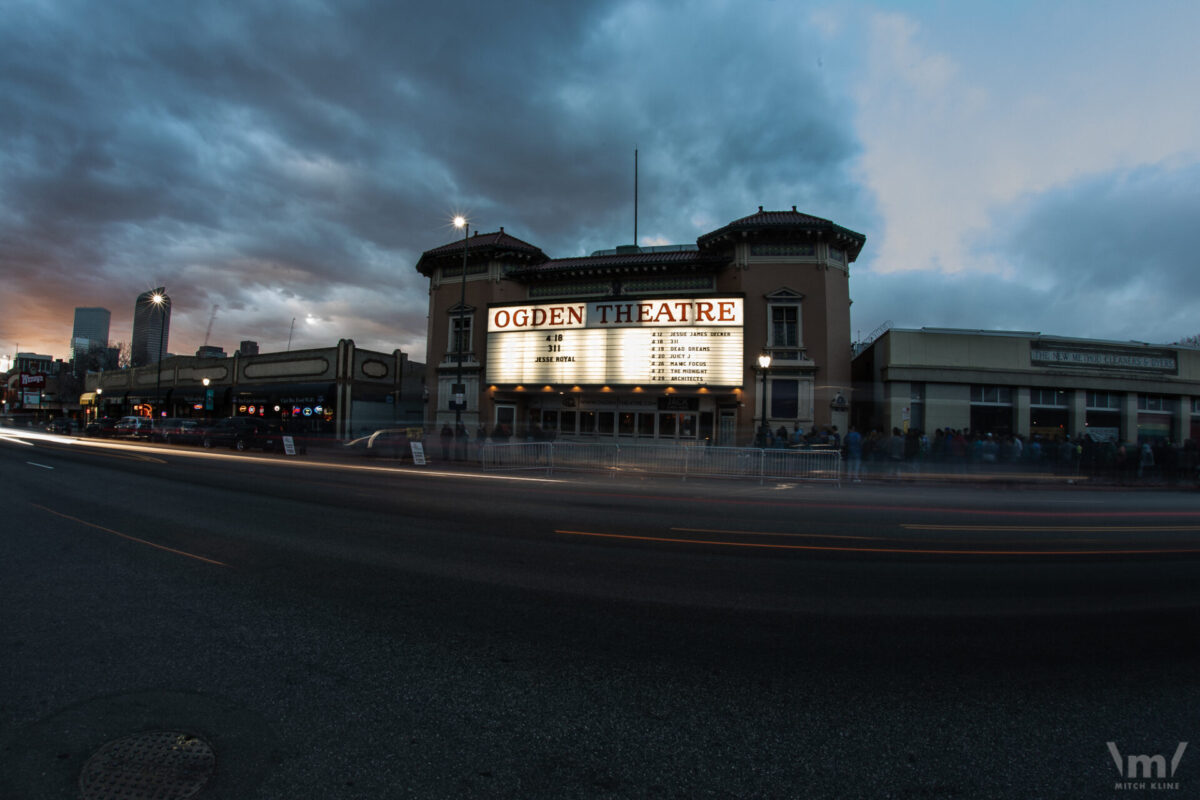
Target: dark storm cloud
{"points": [[1115, 232], [1111, 256], [1116, 251], [269, 158]]}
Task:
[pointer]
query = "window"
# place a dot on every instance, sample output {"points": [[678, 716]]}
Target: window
{"points": [[785, 326], [1103, 400], [645, 424], [1155, 402], [784, 337], [460, 330], [785, 398], [666, 426], [992, 395], [1055, 398]]}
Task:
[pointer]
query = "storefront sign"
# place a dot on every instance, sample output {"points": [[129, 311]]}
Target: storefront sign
{"points": [[669, 341], [32, 381], [1152, 361]]}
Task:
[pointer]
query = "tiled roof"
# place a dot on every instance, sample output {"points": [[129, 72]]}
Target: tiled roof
{"points": [[498, 241], [622, 262], [778, 221]]}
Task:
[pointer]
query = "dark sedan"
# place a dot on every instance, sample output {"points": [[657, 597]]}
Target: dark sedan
{"points": [[244, 433]]}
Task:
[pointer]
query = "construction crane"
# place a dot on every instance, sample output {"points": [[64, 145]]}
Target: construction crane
{"points": [[211, 319]]}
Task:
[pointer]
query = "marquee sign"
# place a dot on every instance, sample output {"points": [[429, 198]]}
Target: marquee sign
{"points": [[677, 342]]}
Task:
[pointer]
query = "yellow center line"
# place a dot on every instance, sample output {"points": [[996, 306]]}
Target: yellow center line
{"points": [[1055, 528], [792, 535], [130, 538], [902, 550]]}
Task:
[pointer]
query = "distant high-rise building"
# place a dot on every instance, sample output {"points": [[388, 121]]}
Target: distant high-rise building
{"points": [[248, 348], [90, 331], [151, 327], [210, 351]]}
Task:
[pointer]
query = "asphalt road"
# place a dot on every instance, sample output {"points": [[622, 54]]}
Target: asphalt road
{"points": [[336, 632]]}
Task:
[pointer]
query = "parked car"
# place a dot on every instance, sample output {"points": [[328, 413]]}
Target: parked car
{"points": [[180, 430], [186, 431], [133, 428], [60, 425], [162, 427], [244, 433], [102, 428]]}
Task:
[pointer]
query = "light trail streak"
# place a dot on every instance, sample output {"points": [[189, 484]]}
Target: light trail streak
{"points": [[130, 538], [790, 535], [19, 435], [140, 453], [1054, 528], [883, 550], [941, 510]]}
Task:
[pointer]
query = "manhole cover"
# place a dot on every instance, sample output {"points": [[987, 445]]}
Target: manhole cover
{"points": [[158, 765]]}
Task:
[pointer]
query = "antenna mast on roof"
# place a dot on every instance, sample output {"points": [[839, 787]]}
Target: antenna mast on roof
{"points": [[293, 330], [635, 195], [211, 319]]}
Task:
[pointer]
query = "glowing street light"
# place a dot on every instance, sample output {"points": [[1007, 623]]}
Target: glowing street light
{"points": [[764, 364], [159, 299], [460, 390]]}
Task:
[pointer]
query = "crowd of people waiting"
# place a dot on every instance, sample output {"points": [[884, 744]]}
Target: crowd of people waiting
{"points": [[947, 450], [964, 450]]}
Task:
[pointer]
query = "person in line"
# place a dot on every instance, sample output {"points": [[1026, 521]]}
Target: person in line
{"points": [[854, 452]]}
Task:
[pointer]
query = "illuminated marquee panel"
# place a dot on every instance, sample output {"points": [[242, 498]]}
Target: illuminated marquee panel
{"points": [[674, 342]]}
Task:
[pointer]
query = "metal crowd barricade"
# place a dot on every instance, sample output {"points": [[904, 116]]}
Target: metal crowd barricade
{"points": [[584, 456], [518, 456], [686, 461]]}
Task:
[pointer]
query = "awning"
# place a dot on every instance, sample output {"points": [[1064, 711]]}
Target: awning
{"points": [[87, 399]]}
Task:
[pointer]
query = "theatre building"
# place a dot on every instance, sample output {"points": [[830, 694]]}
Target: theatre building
{"points": [[645, 343], [1026, 384]]}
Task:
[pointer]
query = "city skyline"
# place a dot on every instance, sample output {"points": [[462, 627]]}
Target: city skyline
{"points": [[292, 170]]}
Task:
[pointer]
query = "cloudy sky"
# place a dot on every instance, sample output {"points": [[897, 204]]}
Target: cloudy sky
{"points": [[1014, 165]]}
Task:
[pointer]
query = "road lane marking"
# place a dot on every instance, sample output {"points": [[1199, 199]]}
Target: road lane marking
{"points": [[131, 538], [1054, 528], [900, 550], [35, 464], [790, 535]]}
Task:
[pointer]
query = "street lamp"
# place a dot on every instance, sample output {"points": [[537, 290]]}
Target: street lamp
{"points": [[99, 405], [460, 391], [764, 364], [158, 298]]}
